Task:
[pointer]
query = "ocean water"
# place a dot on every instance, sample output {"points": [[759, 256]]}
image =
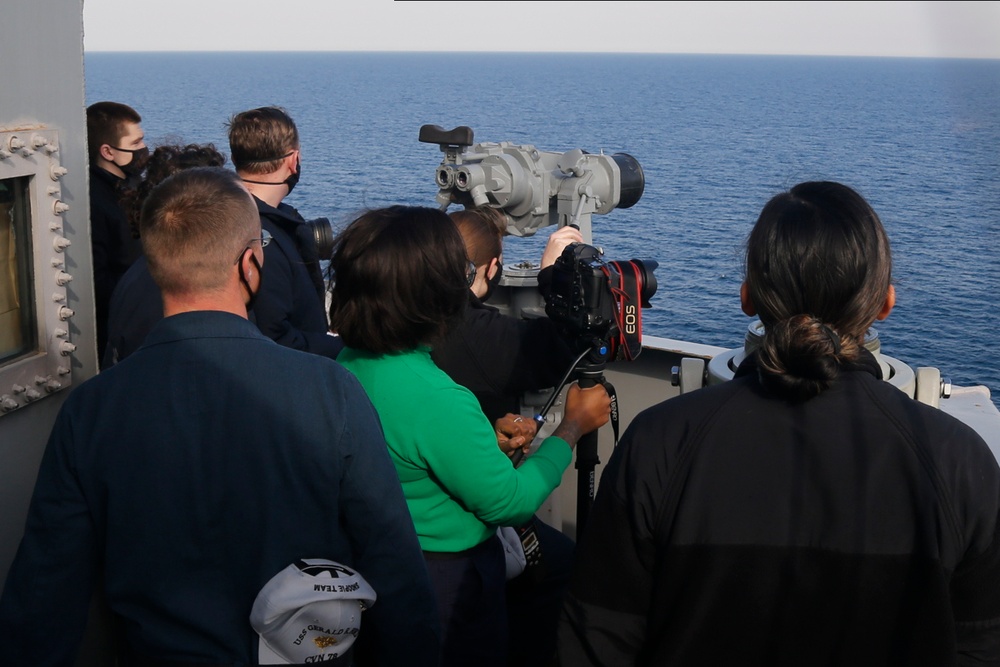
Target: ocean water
{"points": [[716, 136]]}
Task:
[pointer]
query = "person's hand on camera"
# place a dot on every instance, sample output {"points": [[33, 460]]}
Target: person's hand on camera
{"points": [[557, 242], [586, 410], [514, 433]]}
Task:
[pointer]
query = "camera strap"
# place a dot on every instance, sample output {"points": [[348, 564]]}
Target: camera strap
{"points": [[628, 308]]}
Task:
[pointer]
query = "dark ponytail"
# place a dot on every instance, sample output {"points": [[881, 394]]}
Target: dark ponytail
{"points": [[818, 268], [801, 356]]}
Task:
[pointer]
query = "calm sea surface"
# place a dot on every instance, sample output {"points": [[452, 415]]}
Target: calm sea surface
{"points": [[717, 136]]}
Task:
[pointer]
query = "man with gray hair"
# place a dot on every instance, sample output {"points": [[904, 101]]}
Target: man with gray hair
{"points": [[191, 473]]}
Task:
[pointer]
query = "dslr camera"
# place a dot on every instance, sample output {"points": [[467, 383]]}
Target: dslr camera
{"points": [[597, 304]]}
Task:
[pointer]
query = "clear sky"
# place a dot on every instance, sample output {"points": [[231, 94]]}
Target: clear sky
{"points": [[917, 29]]}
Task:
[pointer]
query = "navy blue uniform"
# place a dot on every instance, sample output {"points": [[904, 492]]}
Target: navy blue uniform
{"points": [[289, 308], [190, 474], [136, 307], [291, 305]]}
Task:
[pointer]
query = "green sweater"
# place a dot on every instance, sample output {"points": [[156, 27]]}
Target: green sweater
{"points": [[458, 484]]}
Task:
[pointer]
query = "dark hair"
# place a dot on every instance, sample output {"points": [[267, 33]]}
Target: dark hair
{"points": [[818, 269], [165, 161], [260, 138], [399, 279], [194, 225], [482, 229], [106, 124]]}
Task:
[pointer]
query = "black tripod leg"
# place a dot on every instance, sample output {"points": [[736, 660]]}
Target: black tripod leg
{"points": [[587, 461]]}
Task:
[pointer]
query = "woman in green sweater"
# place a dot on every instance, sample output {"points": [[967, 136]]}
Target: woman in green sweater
{"points": [[401, 281]]}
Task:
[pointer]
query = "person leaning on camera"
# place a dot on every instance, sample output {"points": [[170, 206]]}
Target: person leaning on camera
{"points": [[498, 358]]}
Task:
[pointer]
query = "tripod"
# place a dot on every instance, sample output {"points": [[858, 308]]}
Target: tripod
{"points": [[587, 457]]}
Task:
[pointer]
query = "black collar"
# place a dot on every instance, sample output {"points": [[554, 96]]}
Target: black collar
{"points": [[106, 177], [281, 214], [476, 303]]}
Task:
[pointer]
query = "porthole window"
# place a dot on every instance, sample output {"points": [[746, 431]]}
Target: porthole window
{"points": [[36, 320], [18, 336]]}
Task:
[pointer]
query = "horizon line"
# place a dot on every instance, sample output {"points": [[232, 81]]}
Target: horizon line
{"points": [[540, 53]]}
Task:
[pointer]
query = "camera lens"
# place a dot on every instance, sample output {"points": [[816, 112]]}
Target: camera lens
{"points": [[323, 235], [646, 268], [645, 279], [633, 180]]}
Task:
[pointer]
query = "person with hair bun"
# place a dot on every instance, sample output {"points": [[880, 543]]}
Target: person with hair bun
{"points": [[818, 273], [805, 512]]}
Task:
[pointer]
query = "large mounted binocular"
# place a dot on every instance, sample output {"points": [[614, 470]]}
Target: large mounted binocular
{"points": [[533, 188]]}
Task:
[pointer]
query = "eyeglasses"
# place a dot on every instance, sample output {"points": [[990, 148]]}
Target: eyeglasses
{"points": [[470, 275], [264, 240]]}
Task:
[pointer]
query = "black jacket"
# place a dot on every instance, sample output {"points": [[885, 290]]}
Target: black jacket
{"points": [[113, 247], [499, 357], [290, 299], [859, 527], [136, 307], [290, 307]]}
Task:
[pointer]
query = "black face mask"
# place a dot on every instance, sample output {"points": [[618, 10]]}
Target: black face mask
{"points": [[246, 283], [493, 283], [293, 177], [140, 156]]}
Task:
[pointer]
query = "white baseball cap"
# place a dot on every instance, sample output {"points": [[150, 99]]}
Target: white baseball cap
{"points": [[309, 612]]}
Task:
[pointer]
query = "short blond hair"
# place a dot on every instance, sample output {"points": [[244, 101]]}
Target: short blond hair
{"points": [[193, 226]]}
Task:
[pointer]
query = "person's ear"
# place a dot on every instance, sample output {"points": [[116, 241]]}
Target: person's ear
{"points": [[745, 302], [105, 152], [492, 270], [246, 266], [250, 265], [890, 303], [292, 161]]}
